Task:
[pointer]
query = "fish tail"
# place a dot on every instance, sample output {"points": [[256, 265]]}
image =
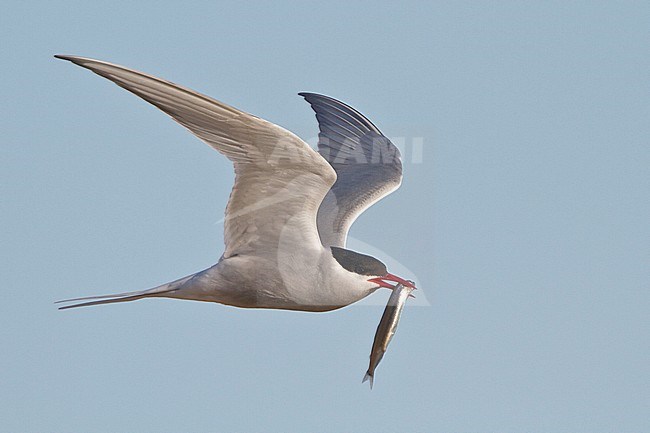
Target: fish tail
{"points": [[369, 377]]}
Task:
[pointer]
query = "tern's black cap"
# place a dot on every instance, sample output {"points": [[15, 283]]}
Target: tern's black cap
{"points": [[359, 263]]}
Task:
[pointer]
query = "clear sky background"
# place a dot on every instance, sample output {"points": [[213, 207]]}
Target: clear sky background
{"points": [[525, 220]]}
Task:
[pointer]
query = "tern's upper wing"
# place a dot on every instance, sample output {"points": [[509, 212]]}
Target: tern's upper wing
{"points": [[279, 180], [368, 166]]}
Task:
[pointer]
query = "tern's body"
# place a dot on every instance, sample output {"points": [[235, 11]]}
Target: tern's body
{"points": [[256, 282], [290, 208]]}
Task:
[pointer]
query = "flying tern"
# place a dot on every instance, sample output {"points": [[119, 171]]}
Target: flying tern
{"points": [[290, 208]]}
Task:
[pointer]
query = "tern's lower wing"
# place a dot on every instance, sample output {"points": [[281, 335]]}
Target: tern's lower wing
{"points": [[280, 181]]}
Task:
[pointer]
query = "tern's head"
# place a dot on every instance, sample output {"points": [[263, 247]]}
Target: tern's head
{"points": [[368, 266]]}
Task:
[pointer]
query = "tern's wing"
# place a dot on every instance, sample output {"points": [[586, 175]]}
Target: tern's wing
{"points": [[279, 180], [368, 166]]}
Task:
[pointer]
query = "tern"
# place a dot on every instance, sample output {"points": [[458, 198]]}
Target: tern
{"points": [[290, 209]]}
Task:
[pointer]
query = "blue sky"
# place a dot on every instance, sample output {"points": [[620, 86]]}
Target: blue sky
{"points": [[524, 218]]}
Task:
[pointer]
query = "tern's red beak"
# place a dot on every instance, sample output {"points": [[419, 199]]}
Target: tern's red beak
{"points": [[394, 278]]}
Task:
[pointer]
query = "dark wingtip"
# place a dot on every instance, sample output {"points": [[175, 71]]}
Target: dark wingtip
{"points": [[74, 59], [308, 95]]}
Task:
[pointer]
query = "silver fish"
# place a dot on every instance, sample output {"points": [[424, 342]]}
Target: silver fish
{"points": [[387, 327]]}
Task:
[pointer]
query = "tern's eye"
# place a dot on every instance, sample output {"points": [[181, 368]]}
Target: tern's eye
{"points": [[360, 270]]}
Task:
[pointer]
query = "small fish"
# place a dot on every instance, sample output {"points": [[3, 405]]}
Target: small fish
{"points": [[387, 327]]}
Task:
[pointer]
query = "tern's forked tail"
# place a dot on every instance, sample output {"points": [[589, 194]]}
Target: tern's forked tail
{"points": [[164, 290]]}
